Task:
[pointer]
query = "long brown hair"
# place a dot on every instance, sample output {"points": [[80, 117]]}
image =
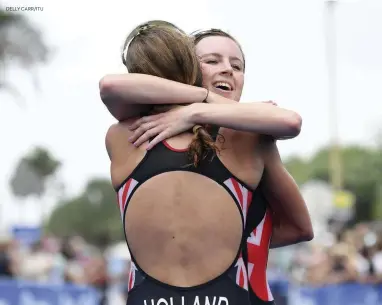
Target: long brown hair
{"points": [[161, 49]]}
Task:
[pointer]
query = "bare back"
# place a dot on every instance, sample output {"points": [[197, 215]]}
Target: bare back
{"points": [[183, 228]]}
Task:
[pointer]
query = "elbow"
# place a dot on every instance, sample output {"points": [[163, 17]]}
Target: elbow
{"points": [[300, 233], [110, 97], [293, 124], [106, 85], [305, 234], [114, 86]]}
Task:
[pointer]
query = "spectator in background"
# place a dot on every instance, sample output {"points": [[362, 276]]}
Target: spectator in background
{"points": [[52, 246], [74, 272], [342, 261], [356, 256], [314, 265], [377, 259], [8, 262], [36, 264], [371, 271], [96, 274]]}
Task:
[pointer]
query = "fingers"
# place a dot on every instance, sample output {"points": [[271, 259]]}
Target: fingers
{"points": [[159, 138], [148, 135], [145, 120], [271, 102], [138, 132], [136, 124]]}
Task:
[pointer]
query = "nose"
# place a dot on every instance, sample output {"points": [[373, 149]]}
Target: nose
{"points": [[226, 68]]}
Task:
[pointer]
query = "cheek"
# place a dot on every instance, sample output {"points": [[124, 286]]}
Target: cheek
{"points": [[207, 73], [240, 81], [239, 87]]}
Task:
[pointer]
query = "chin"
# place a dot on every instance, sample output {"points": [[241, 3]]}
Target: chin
{"points": [[226, 94], [231, 95]]}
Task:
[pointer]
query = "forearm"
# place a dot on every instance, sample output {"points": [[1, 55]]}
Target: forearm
{"points": [[284, 236], [292, 223], [290, 208], [260, 118], [128, 95], [123, 112], [149, 90], [286, 232]]}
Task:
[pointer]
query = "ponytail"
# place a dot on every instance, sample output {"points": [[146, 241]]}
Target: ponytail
{"points": [[202, 144]]}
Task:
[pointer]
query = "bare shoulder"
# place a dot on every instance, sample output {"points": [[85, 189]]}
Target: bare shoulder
{"points": [[241, 154], [124, 156], [239, 139], [117, 137], [118, 128]]}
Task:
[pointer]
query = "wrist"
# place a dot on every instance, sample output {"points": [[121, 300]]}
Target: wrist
{"points": [[214, 98], [195, 111], [201, 95]]}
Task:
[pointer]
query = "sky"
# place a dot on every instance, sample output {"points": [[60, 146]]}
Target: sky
{"points": [[284, 44]]}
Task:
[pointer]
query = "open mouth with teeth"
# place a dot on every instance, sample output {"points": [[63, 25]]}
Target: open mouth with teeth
{"points": [[223, 86]]}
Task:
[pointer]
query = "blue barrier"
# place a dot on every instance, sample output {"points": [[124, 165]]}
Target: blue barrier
{"points": [[22, 293], [349, 294]]}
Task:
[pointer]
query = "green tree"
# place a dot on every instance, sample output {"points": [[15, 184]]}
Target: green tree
{"points": [[362, 173], [93, 214], [33, 173], [20, 43]]}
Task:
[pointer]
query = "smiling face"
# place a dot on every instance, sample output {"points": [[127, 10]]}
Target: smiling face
{"points": [[222, 64]]}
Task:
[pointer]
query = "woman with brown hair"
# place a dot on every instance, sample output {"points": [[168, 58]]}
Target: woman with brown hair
{"points": [[189, 197]]}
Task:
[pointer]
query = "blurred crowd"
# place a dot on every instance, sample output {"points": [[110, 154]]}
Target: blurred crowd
{"points": [[71, 260], [351, 255]]}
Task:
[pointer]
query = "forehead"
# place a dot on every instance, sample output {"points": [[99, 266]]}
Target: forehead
{"points": [[224, 46]]}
